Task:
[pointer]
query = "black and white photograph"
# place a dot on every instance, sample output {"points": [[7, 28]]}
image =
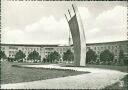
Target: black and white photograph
{"points": [[58, 44]]}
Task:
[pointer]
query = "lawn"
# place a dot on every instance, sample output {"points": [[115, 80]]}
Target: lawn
{"points": [[111, 67], [10, 74]]}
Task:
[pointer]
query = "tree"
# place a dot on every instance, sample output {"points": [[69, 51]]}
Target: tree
{"points": [[56, 56], [121, 57], [20, 56], [53, 56], [34, 56], [106, 56], [125, 60], [2, 55], [45, 60], [68, 56], [90, 56]]}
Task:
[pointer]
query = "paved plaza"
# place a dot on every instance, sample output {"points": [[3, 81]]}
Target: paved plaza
{"points": [[97, 79]]}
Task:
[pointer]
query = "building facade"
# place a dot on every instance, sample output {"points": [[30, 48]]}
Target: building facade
{"points": [[113, 47], [43, 50]]}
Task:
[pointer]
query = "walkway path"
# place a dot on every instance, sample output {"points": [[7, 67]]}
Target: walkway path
{"points": [[97, 79]]}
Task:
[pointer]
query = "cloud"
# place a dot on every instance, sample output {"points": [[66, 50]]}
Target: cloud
{"points": [[46, 30], [114, 17], [109, 25], [84, 12], [45, 24], [9, 35]]}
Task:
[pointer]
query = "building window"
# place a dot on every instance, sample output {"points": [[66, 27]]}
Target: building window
{"points": [[98, 52], [64, 49], [98, 48], [108, 47], [94, 48], [9, 51], [13, 48], [60, 49], [115, 51], [88, 47], [3, 48], [120, 46]]}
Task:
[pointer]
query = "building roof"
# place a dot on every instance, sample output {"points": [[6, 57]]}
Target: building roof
{"points": [[56, 45], [108, 42], [29, 45], [49, 45]]}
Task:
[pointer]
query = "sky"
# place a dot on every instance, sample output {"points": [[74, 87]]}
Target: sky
{"points": [[43, 22]]}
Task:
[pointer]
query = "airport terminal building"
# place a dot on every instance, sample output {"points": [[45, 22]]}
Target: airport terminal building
{"points": [[114, 47]]}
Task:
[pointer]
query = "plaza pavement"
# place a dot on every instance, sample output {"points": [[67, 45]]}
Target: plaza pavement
{"points": [[97, 79]]}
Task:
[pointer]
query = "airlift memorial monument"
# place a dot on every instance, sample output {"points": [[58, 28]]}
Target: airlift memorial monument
{"points": [[78, 35]]}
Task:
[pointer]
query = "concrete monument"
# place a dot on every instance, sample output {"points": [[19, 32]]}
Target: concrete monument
{"points": [[78, 35]]}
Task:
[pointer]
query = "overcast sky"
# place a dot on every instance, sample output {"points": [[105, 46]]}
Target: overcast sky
{"points": [[44, 22]]}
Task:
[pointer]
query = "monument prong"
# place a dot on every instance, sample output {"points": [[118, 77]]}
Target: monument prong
{"points": [[66, 17], [69, 13], [73, 8]]}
